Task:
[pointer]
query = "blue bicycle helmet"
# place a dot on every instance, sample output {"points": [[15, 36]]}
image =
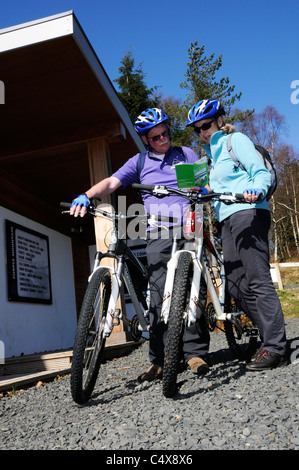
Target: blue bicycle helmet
{"points": [[149, 118], [203, 110]]}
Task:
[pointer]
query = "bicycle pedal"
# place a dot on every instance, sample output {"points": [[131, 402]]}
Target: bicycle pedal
{"points": [[254, 331], [116, 317]]}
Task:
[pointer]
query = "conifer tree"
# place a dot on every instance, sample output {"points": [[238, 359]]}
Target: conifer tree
{"points": [[134, 93]]}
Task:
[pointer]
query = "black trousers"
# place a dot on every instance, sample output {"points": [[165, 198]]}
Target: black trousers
{"points": [[246, 254], [196, 338]]}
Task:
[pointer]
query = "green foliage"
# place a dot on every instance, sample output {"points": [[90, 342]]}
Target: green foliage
{"points": [[176, 114], [135, 95], [201, 83]]}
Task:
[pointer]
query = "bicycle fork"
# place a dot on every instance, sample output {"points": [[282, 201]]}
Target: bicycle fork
{"points": [[199, 269], [113, 316], [168, 289]]}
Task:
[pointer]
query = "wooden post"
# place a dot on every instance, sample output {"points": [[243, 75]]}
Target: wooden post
{"points": [[99, 162], [98, 154], [280, 285]]}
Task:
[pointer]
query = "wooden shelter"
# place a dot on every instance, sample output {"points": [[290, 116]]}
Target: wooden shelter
{"points": [[63, 128]]}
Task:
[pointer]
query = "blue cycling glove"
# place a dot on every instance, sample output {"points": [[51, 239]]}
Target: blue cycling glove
{"points": [[203, 190], [81, 200], [255, 191]]}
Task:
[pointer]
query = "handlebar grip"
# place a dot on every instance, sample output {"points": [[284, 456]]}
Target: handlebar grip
{"points": [[65, 205], [146, 187]]}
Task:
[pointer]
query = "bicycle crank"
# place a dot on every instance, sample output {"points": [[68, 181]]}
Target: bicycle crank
{"points": [[210, 315], [135, 329]]}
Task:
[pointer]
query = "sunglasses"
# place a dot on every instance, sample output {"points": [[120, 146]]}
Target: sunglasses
{"points": [[204, 127], [155, 138]]}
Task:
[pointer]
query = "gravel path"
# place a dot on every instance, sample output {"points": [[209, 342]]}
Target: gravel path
{"points": [[229, 408]]}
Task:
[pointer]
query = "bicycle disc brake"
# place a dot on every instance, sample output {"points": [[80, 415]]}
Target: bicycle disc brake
{"points": [[135, 331]]}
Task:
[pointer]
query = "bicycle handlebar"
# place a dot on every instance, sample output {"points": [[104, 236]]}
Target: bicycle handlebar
{"points": [[162, 191], [96, 212], [90, 209], [65, 205]]}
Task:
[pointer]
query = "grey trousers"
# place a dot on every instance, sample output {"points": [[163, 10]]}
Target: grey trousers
{"points": [[196, 338], [246, 254]]}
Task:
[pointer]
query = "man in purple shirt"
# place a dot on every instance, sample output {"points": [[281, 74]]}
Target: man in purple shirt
{"points": [[158, 169]]}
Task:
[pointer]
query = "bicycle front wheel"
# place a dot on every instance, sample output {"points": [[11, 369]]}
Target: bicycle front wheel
{"points": [[89, 341], [173, 346]]}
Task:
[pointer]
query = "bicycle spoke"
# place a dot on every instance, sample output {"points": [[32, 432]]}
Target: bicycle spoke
{"points": [[89, 341]]}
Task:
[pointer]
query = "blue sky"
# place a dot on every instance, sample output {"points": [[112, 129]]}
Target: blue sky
{"points": [[258, 41]]}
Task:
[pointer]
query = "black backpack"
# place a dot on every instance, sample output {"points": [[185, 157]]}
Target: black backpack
{"points": [[141, 158], [266, 159]]}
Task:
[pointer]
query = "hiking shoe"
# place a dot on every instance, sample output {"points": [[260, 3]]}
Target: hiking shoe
{"points": [[257, 353], [265, 360], [154, 372], [198, 366]]}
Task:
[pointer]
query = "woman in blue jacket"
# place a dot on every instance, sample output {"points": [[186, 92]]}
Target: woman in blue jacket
{"points": [[245, 228]]}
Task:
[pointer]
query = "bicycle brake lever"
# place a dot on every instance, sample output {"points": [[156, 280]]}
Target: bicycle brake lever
{"points": [[232, 198], [154, 223], [160, 191]]}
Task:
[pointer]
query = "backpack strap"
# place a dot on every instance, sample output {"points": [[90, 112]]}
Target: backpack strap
{"points": [[140, 164], [141, 160], [232, 154], [265, 158]]}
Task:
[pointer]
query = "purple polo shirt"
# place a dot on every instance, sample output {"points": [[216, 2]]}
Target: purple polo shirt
{"points": [[157, 172]]}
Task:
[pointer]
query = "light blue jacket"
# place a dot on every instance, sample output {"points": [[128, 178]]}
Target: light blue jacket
{"points": [[225, 178]]}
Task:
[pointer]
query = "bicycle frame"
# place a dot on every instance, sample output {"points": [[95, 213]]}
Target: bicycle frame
{"points": [[200, 269], [118, 273], [118, 250], [100, 313]]}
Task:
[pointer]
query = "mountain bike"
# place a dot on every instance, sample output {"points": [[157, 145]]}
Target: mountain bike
{"points": [[99, 312], [198, 260]]}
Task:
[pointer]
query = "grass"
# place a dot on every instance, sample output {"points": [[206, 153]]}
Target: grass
{"points": [[290, 276], [289, 300]]}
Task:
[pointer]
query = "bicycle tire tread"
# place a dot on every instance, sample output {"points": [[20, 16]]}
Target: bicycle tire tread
{"points": [[79, 394], [175, 326]]}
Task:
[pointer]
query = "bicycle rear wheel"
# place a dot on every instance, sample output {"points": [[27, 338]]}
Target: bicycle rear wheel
{"points": [[89, 341], [173, 346]]}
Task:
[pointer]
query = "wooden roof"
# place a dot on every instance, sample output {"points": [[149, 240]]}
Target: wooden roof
{"points": [[57, 97]]}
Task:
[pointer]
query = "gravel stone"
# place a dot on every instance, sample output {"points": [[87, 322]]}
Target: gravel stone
{"points": [[229, 408]]}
